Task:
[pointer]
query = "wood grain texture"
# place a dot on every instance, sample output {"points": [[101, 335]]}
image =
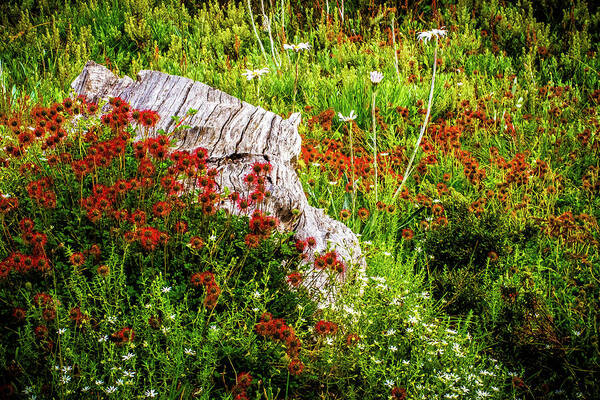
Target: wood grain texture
{"points": [[236, 134]]}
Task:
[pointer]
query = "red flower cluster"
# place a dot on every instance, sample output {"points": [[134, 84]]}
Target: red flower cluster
{"points": [[77, 316], [7, 204], [335, 157], [24, 263], [398, 393], [276, 329], [212, 290], [330, 261], [99, 155], [261, 227], [257, 181], [123, 336], [242, 383], [42, 192], [326, 328], [294, 279], [302, 245], [120, 116], [146, 118]]}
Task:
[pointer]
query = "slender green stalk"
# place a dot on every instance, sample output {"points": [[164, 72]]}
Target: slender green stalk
{"points": [[353, 169], [296, 80], [374, 142], [412, 158], [395, 51]]}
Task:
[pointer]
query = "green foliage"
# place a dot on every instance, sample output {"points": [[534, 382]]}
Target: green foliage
{"points": [[510, 153]]}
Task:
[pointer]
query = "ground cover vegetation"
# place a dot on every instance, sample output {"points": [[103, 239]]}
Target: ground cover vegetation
{"points": [[121, 276]]}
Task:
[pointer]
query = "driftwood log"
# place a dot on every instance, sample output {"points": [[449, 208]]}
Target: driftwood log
{"points": [[236, 134]]}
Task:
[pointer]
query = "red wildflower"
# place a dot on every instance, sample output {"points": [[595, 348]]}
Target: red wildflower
{"points": [[103, 270], [196, 243], [19, 314], [148, 118], [252, 241], [352, 339], [398, 393], [407, 234], [244, 379], [363, 213], [77, 259], [161, 209], [296, 367], [294, 279]]}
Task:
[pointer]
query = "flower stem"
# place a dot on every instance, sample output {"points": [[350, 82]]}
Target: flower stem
{"points": [[262, 49], [408, 168], [374, 142], [296, 81], [353, 173], [395, 52]]}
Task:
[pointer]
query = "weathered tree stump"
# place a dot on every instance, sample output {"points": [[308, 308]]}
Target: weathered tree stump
{"points": [[236, 134]]}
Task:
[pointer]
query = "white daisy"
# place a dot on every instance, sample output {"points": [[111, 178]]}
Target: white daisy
{"points": [[297, 47], [376, 77], [350, 117], [427, 35], [255, 73]]}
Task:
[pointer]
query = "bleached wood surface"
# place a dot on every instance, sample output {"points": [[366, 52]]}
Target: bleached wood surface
{"points": [[236, 134]]}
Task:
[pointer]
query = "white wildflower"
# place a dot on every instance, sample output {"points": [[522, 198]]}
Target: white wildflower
{"points": [[99, 382], [103, 338], [110, 389], [350, 117], [61, 331], [212, 238], [150, 393], [393, 348], [165, 329], [427, 35], [166, 289], [297, 47], [85, 388], [128, 374], [255, 73], [388, 383], [376, 77], [189, 352], [127, 356]]}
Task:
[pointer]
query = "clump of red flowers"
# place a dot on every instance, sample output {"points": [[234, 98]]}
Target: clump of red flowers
{"points": [[206, 279], [277, 330], [242, 383], [125, 335], [331, 261], [326, 328], [261, 227]]}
